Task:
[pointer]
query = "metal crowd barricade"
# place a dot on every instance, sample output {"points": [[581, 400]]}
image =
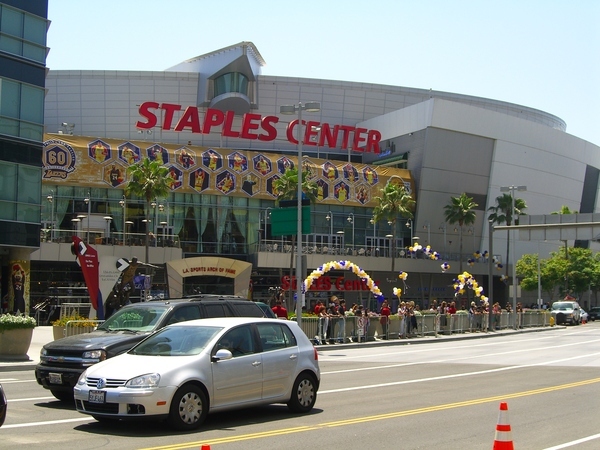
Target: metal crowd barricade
{"points": [[363, 329], [322, 330], [310, 326], [427, 324], [339, 329], [350, 328]]}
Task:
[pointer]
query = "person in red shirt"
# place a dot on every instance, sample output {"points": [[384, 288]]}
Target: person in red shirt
{"points": [[317, 309], [279, 310], [385, 318], [452, 308]]}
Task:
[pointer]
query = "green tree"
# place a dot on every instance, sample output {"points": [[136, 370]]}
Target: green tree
{"points": [[148, 180], [502, 212], [460, 210], [579, 270], [561, 275], [286, 188], [564, 209], [527, 271], [595, 277], [394, 201]]}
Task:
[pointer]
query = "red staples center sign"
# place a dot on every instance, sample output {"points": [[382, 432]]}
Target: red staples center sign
{"points": [[257, 127], [326, 283]]}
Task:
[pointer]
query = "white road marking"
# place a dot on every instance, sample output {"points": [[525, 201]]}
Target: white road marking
{"points": [[50, 422], [445, 377], [572, 443], [32, 399]]}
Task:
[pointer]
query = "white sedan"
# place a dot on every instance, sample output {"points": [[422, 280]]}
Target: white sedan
{"points": [[186, 370]]}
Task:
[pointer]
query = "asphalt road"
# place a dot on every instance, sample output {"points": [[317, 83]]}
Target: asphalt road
{"points": [[441, 394]]}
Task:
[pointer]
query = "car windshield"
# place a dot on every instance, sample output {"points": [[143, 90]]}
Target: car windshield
{"points": [[141, 319], [176, 341], [562, 306]]}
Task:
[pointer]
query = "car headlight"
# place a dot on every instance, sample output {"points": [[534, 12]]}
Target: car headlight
{"points": [[43, 351], [99, 355], [144, 381], [82, 377]]}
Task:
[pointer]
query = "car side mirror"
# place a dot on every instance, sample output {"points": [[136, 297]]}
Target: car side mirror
{"points": [[222, 354]]}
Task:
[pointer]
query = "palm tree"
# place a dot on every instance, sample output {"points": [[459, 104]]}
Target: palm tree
{"points": [[460, 210], [286, 188], [502, 212], [393, 201], [148, 180]]}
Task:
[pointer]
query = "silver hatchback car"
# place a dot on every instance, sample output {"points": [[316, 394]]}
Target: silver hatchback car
{"points": [[186, 370]]}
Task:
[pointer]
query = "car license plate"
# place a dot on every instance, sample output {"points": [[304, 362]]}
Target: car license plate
{"points": [[55, 378], [97, 396]]}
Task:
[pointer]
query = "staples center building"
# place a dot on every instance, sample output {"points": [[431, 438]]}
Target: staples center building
{"points": [[217, 124]]}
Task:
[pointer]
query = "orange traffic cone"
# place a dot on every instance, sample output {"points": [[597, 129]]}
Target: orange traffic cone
{"points": [[205, 447], [503, 439]]}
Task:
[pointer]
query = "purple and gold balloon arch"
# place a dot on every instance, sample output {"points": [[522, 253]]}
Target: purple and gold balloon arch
{"points": [[343, 265]]}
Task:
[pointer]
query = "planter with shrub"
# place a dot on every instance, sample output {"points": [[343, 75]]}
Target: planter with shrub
{"points": [[16, 332]]}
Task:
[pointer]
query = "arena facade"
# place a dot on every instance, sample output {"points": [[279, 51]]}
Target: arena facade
{"points": [[215, 121]]}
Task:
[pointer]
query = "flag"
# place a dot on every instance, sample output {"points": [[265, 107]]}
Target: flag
{"points": [[87, 257]]}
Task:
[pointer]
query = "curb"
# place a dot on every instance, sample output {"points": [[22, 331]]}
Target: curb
{"points": [[431, 339]]}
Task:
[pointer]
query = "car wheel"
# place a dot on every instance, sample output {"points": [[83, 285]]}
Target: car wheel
{"points": [[189, 408], [304, 393], [63, 396]]}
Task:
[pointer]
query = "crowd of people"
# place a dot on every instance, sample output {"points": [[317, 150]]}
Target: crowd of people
{"points": [[334, 313]]}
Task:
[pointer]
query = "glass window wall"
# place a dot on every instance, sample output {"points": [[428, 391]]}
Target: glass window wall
{"points": [[231, 82], [23, 34]]}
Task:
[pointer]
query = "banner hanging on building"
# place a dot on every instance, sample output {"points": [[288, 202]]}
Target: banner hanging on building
{"points": [[79, 160]]}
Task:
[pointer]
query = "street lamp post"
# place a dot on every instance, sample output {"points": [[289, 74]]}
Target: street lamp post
{"points": [[291, 109], [351, 220], [50, 198], [267, 214], [390, 238], [409, 225], [123, 203], [490, 272], [88, 202], [512, 190], [374, 232], [161, 208], [329, 218], [108, 219], [427, 227], [128, 223], [76, 222], [154, 205], [163, 224]]}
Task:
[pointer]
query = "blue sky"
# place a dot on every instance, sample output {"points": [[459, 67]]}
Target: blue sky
{"points": [[543, 54]]}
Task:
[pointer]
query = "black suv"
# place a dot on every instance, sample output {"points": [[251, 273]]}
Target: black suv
{"points": [[594, 313], [64, 360]]}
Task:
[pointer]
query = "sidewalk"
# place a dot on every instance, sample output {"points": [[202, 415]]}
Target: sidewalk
{"points": [[44, 334]]}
